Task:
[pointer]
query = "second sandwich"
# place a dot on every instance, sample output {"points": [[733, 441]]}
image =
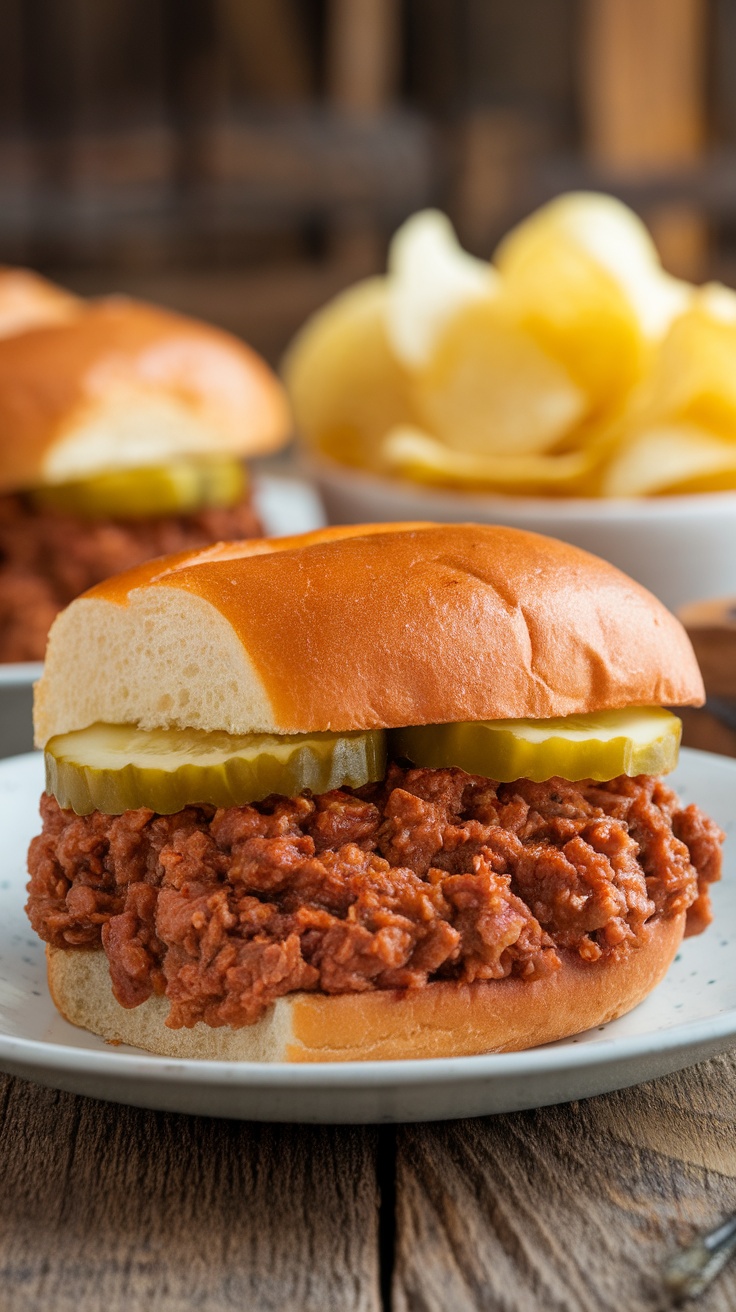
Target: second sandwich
{"points": [[123, 429]]}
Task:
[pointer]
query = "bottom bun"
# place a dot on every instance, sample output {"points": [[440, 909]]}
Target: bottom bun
{"points": [[438, 1020]]}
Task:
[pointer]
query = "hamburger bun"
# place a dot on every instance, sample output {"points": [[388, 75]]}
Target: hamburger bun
{"points": [[90, 387], [362, 628], [437, 1020], [29, 301]]}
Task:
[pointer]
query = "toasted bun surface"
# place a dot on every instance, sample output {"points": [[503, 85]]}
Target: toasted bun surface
{"points": [[29, 301], [123, 384], [364, 627], [438, 1020]]}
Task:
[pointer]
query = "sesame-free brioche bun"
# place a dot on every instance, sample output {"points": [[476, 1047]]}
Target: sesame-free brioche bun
{"points": [[363, 627], [443, 1019], [103, 385], [29, 301]]}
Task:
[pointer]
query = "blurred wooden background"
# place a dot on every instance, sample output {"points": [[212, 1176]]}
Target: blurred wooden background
{"points": [[243, 159]]}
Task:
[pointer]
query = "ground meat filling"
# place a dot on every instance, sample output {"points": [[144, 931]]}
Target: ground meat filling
{"points": [[432, 874], [47, 559]]}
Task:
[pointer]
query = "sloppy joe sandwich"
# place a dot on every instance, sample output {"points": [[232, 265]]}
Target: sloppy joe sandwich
{"points": [[123, 429], [375, 792]]}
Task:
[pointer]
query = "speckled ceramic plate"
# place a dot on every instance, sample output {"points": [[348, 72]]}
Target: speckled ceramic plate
{"points": [[691, 1016]]}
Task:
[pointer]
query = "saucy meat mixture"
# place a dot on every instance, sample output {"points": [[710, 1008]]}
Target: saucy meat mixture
{"points": [[47, 559], [432, 874]]}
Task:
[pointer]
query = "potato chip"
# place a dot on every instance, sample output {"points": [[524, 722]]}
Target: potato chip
{"points": [[694, 374], [416, 454], [584, 276], [670, 458], [346, 387], [490, 389], [615, 239], [430, 278], [576, 368]]}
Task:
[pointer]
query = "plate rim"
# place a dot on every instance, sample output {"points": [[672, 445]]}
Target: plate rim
{"points": [[561, 1059]]}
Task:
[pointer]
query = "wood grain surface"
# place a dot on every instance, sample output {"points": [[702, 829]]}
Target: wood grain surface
{"points": [[567, 1209], [106, 1207]]}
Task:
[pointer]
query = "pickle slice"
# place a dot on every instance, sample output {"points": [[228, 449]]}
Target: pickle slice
{"points": [[116, 767], [179, 488], [635, 740]]}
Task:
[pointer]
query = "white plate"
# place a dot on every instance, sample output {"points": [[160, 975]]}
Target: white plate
{"points": [[691, 1016]]}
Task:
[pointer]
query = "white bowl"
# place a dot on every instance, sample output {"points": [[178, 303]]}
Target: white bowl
{"points": [[683, 548]]}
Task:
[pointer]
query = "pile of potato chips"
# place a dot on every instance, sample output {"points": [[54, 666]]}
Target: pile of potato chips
{"points": [[573, 365]]}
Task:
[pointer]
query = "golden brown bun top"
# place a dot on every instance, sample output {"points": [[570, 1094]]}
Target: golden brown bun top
{"points": [[29, 301], [79, 388], [370, 626]]}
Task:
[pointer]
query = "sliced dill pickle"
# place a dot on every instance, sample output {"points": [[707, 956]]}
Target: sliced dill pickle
{"points": [[179, 488], [116, 767], [635, 740]]}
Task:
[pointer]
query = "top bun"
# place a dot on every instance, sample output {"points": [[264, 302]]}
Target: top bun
{"points": [[29, 301], [90, 387], [363, 627]]}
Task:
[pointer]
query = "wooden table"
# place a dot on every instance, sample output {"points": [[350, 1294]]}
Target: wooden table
{"points": [[566, 1209]]}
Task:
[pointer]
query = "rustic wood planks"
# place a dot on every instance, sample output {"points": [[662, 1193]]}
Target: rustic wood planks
{"points": [[105, 1207], [567, 1209]]}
